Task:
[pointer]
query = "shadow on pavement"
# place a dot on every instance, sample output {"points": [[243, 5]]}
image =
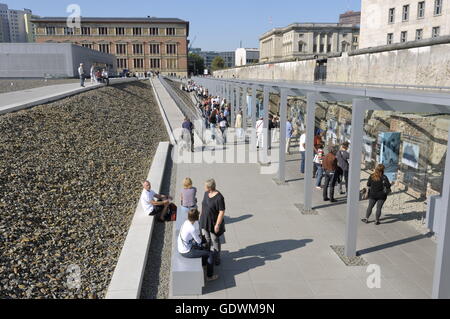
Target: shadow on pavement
{"points": [[235, 263], [232, 220]]}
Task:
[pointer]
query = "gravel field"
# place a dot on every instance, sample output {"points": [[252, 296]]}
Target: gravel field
{"points": [[70, 177], [19, 85]]}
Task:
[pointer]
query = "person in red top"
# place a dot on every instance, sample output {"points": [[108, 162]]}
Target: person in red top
{"points": [[330, 167]]}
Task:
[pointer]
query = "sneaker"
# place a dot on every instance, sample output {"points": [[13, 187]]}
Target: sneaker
{"points": [[377, 224], [326, 199], [319, 188], [365, 221], [213, 278]]}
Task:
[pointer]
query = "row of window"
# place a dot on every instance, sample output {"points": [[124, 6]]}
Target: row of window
{"points": [[419, 35], [153, 63], [105, 31], [121, 49], [438, 6]]}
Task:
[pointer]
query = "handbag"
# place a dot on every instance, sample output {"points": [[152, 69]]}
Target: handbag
{"points": [[386, 186], [364, 194]]}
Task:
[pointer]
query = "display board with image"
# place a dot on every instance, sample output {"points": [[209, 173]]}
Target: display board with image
{"points": [[411, 155], [389, 152]]}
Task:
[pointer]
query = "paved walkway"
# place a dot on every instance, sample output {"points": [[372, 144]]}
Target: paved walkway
{"points": [[273, 251], [19, 100]]}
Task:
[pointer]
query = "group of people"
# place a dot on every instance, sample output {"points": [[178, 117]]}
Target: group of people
{"points": [[200, 234], [96, 74], [217, 115]]}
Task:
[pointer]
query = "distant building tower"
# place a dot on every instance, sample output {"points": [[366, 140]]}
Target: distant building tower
{"points": [[350, 17], [16, 26]]}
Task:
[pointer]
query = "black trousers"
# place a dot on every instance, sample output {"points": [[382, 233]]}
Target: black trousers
{"points": [[379, 203], [207, 259], [330, 183]]}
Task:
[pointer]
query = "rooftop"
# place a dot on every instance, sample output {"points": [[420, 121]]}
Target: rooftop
{"points": [[309, 26], [113, 19]]}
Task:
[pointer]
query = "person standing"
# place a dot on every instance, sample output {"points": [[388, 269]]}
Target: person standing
{"points": [[188, 133], [212, 219], [289, 131], [223, 126], [238, 126], [379, 189], [81, 74], [276, 127], [105, 76], [330, 167], [343, 157], [213, 123], [92, 74], [190, 244], [269, 134], [318, 161], [302, 153]]}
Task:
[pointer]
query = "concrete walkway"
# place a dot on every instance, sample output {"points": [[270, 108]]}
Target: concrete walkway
{"points": [[20, 100], [272, 251]]}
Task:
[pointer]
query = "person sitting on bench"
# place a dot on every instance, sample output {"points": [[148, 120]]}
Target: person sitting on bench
{"points": [[154, 204], [190, 244]]}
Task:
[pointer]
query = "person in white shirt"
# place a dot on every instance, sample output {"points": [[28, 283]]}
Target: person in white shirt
{"points": [[92, 74], [81, 74], [302, 153], [260, 133], [154, 204], [190, 244]]}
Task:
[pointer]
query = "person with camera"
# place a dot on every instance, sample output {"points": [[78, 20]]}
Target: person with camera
{"points": [[191, 244]]}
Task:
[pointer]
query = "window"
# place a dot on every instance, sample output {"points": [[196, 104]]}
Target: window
{"points": [[436, 32], [154, 48], [404, 36], [171, 49], [121, 49], [85, 31], [103, 48], [137, 31], [138, 49], [155, 63], [51, 30], [170, 31], [419, 34], [138, 63], [68, 31], [421, 10], [392, 15], [154, 31], [390, 38], [355, 39], [437, 7], [122, 63], [405, 15], [301, 46], [172, 63], [89, 46], [103, 31], [120, 31]]}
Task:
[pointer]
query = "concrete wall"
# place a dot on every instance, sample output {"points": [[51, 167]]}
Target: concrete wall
{"points": [[424, 66], [294, 71], [37, 60]]}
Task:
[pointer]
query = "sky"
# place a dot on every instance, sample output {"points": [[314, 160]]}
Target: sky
{"points": [[214, 25]]}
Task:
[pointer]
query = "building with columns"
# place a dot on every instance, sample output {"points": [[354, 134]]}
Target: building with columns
{"points": [[139, 44], [399, 21], [308, 39]]}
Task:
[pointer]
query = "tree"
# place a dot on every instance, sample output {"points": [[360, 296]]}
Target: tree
{"points": [[196, 64], [218, 63]]}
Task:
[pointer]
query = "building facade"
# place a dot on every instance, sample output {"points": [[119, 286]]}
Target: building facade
{"points": [[209, 56], [245, 56], [16, 25], [305, 39], [398, 21], [139, 44], [350, 17]]}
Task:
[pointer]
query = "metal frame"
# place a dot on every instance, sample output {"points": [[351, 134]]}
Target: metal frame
{"points": [[364, 98]]}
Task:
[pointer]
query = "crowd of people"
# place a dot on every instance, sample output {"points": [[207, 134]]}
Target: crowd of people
{"points": [[96, 74]]}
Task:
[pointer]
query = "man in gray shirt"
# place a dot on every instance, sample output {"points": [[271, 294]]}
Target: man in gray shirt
{"points": [[81, 74]]}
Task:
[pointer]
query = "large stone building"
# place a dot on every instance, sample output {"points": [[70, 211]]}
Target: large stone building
{"points": [[350, 17], [305, 39], [15, 25], [139, 44], [397, 21]]}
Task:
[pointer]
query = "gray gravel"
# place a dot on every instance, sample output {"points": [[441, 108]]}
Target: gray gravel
{"points": [[70, 177], [26, 84]]}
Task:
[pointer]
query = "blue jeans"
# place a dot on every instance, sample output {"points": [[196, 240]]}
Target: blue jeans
{"points": [[213, 131], [207, 259], [81, 80], [319, 174], [302, 162]]}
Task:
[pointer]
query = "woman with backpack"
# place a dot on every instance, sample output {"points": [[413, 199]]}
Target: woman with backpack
{"points": [[379, 189]]}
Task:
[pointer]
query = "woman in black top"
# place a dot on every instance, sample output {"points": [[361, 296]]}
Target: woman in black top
{"points": [[212, 219], [379, 189]]}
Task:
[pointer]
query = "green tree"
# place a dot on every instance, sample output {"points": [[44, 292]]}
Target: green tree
{"points": [[217, 64], [196, 64]]}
